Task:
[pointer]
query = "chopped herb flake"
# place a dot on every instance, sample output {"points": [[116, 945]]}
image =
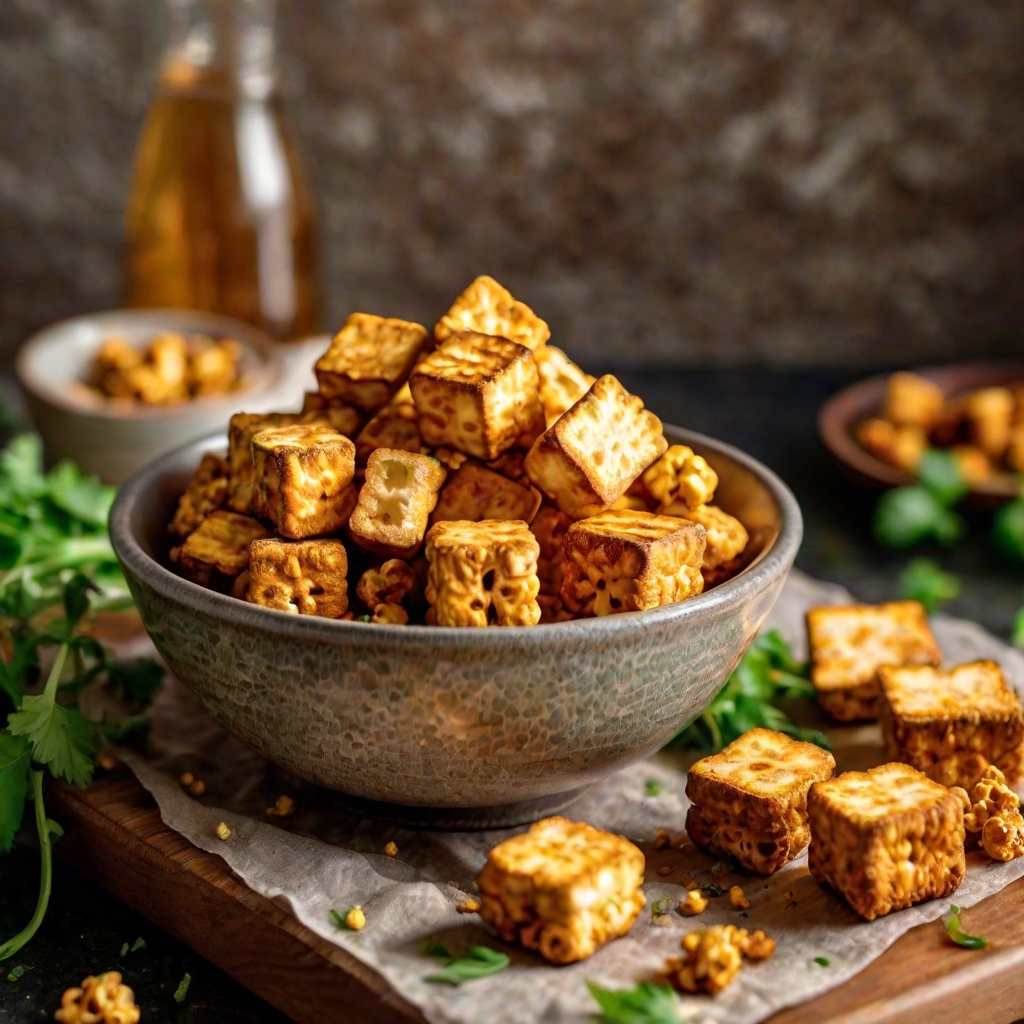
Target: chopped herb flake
{"points": [[652, 787], [124, 949], [182, 990], [477, 962], [646, 1003], [16, 973], [822, 961], [958, 935], [139, 943]]}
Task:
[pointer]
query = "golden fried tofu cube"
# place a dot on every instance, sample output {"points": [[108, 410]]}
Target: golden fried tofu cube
{"points": [[952, 725], [563, 888], [511, 464], [369, 360], [989, 414], [550, 526], [901, 447], [483, 573], [562, 382], [473, 493], [303, 479], [975, 466], [395, 502], [242, 428], [218, 550], [303, 577], [478, 395], [850, 643], [680, 478], [590, 455], [206, 492], [749, 802], [394, 426], [485, 307], [212, 365], [631, 561], [725, 536], [886, 838], [912, 401]]}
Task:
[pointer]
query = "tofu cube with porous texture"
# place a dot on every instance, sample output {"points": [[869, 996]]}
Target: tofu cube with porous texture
{"points": [[550, 526], [393, 427], [303, 479], [487, 308], [369, 360], [902, 447], [886, 838], [479, 395], [473, 493], [749, 802], [680, 479], [207, 491], [953, 725], [304, 577], [483, 573], [562, 382], [563, 888], [630, 561], [590, 455], [989, 415], [850, 643], [395, 502], [726, 537], [218, 550], [913, 401]]}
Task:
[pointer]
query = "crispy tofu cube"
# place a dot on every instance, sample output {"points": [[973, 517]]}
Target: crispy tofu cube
{"points": [[952, 725], [680, 478], [478, 395], [206, 492], [749, 801], [218, 550], [395, 502], [511, 464], [975, 466], [563, 888], [303, 479], [989, 414], [483, 573], [485, 307], [726, 537], [369, 360], [473, 493], [886, 838], [242, 428], [631, 561], [562, 382], [592, 453], [912, 401], [901, 447], [212, 365], [303, 577], [393, 427], [550, 526], [849, 644]]}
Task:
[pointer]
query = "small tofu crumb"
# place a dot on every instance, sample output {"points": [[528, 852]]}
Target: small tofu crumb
{"points": [[197, 788], [355, 919], [283, 807], [468, 906], [695, 902], [223, 832], [107, 761], [737, 898], [391, 849], [662, 840], [665, 870], [187, 778]]}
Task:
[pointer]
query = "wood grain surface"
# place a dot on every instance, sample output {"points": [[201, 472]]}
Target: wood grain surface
{"points": [[115, 836]]}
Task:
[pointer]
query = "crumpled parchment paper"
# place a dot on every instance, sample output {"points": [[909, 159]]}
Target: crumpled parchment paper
{"points": [[324, 856]]}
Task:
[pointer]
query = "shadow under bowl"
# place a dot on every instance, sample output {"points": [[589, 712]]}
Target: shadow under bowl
{"points": [[445, 727]]}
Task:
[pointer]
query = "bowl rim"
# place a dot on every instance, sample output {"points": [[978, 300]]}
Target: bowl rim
{"points": [[769, 565], [262, 378]]}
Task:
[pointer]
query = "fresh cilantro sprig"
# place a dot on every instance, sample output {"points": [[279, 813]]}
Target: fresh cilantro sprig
{"points": [[476, 962], [958, 935], [646, 1003], [907, 515], [924, 581], [765, 674]]}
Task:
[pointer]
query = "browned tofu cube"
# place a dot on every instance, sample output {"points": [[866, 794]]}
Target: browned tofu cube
{"points": [[975, 466], [473, 493], [901, 447], [478, 395], [886, 838], [631, 561], [953, 725], [850, 643], [242, 428], [483, 574], [749, 802], [592, 453], [989, 414], [485, 307], [562, 382], [393, 427], [563, 888], [303, 479], [395, 502], [725, 536], [218, 550], [369, 360], [303, 577], [912, 401], [207, 492], [550, 526]]}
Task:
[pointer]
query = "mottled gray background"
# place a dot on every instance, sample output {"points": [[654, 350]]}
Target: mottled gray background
{"points": [[667, 181]]}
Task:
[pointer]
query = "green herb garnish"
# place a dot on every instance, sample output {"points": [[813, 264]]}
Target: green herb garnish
{"points": [[924, 581], [124, 949], [139, 943], [907, 515], [1008, 529], [646, 1003], [16, 973], [957, 934], [662, 906], [652, 787], [1017, 632], [182, 990], [432, 948], [476, 962], [822, 961]]}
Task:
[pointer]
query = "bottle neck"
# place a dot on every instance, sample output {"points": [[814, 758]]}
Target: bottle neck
{"points": [[221, 46]]}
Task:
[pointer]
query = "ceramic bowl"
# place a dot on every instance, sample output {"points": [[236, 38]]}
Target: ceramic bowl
{"points": [[114, 440], [455, 728]]}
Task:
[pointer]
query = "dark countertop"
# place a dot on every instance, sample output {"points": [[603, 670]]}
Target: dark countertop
{"points": [[770, 414]]}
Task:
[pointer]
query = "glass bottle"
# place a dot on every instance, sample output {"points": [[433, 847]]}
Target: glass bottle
{"points": [[220, 217]]}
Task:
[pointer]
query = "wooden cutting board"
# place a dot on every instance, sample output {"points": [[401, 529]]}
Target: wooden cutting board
{"points": [[115, 836]]}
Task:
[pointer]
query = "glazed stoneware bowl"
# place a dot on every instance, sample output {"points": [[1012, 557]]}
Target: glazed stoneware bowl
{"points": [[455, 728]]}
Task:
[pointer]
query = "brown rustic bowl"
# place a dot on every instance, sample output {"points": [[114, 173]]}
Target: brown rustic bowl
{"points": [[455, 728]]}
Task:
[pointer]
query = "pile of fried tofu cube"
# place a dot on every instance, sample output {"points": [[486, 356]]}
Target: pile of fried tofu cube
{"points": [[476, 465]]}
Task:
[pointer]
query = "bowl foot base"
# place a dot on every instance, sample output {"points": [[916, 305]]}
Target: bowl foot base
{"points": [[463, 819]]}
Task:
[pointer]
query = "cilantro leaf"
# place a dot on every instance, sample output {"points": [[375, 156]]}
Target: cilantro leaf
{"points": [[646, 1003], [940, 475], [81, 496], [907, 515], [958, 935], [924, 581], [51, 729], [476, 962], [1008, 529], [14, 782]]}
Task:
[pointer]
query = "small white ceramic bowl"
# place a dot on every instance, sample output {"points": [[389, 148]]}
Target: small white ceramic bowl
{"points": [[114, 439]]}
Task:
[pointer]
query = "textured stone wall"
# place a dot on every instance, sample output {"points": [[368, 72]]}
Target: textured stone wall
{"points": [[667, 181]]}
